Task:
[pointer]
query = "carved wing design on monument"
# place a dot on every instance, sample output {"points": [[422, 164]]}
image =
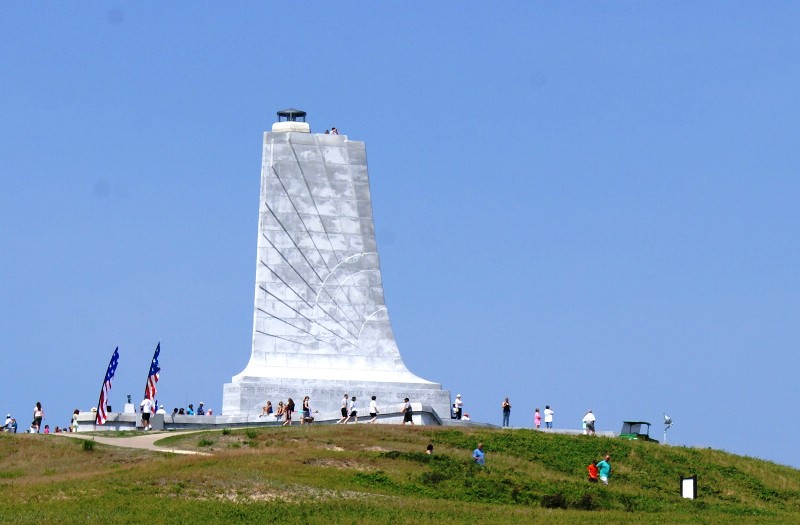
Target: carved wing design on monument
{"points": [[319, 282]]}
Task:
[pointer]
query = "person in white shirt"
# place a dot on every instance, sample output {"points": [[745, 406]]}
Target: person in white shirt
{"points": [[353, 412], [344, 409], [548, 417], [458, 405], [146, 406], [161, 410], [407, 412], [588, 423], [7, 424], [373, 410]]}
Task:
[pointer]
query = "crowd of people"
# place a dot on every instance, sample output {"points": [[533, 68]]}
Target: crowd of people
{"points": [[149, 407], [36, 427], [349, 410], [599, 471], [588, 421]]}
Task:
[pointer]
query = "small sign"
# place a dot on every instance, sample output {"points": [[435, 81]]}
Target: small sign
{"points": [[689, 487]]}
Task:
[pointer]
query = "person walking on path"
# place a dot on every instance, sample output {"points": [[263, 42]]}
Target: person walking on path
{"points": [[478, 456], [548, 417], [38, 416], [537, 419], [593, 471], [506, 412], [459, 405], [146, 407], [353, 411], [288, 412], [407, 412], [74, 425], [588, 423], [344, 409], [373, 409], [604, 468]]}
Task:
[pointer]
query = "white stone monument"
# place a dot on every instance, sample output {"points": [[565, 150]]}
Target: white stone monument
{"points": [[321, 327]]}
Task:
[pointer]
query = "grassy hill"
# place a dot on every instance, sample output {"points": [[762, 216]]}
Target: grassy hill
{"points": [[381, 474]]}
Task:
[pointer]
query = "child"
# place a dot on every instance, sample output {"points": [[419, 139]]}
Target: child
{"points": [[593, 471]]}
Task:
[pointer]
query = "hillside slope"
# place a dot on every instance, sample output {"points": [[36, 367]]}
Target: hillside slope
{"points": [[372, 474]]}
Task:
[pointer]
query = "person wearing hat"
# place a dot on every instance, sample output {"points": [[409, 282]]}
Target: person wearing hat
{"points": [[200, 410], [458, 405], [161, 410], [7, 424]]}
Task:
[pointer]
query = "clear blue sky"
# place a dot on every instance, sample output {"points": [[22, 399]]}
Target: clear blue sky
{"points": [[586, 205]]}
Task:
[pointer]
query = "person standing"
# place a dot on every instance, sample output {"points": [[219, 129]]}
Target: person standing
{"points": [[288, 412], [407, 412], [593, 471], [478, 456], [537, 419], [307, 417], [459, 405], [506, 412], [38, 416], [604, 468], [373, 409], [588, 423], [344, 409], [145, 407], [74, 425], [548, 417]]}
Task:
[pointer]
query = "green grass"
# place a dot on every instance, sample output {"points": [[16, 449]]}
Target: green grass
{"points": [[380, 474]]}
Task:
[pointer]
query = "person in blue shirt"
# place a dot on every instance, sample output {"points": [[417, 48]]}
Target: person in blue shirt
{"points": [[200, 410], [605, 469], [478, 455], [190, 410]]}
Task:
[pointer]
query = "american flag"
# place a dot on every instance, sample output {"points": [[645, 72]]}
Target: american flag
{"points": [[101, 405], [152, 377]]}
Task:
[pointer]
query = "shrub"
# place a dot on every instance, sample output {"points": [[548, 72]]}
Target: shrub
{"points": [[378, 477], [88, 445], [554, 501], [251, 433], [205, 442]]}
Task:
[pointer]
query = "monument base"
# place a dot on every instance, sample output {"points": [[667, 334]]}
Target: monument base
{"points": [[248, 396]]}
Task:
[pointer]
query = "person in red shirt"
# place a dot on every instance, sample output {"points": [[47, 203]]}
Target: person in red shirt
{"points": [[593, 472]]}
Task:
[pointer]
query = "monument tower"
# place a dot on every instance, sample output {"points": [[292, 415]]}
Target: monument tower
{"points": [[320, 326]]}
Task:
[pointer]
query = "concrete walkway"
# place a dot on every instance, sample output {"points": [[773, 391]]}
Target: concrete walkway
{"points": [[144, 441]]}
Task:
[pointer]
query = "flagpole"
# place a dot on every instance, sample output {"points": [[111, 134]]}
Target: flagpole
{"points": [[152, 379], [106, 388]]}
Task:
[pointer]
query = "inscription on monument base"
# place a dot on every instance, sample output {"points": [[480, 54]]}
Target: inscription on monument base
{"points": [[249, 397]]}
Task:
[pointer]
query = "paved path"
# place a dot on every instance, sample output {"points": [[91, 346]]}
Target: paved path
{"points": [[145, 441]]}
